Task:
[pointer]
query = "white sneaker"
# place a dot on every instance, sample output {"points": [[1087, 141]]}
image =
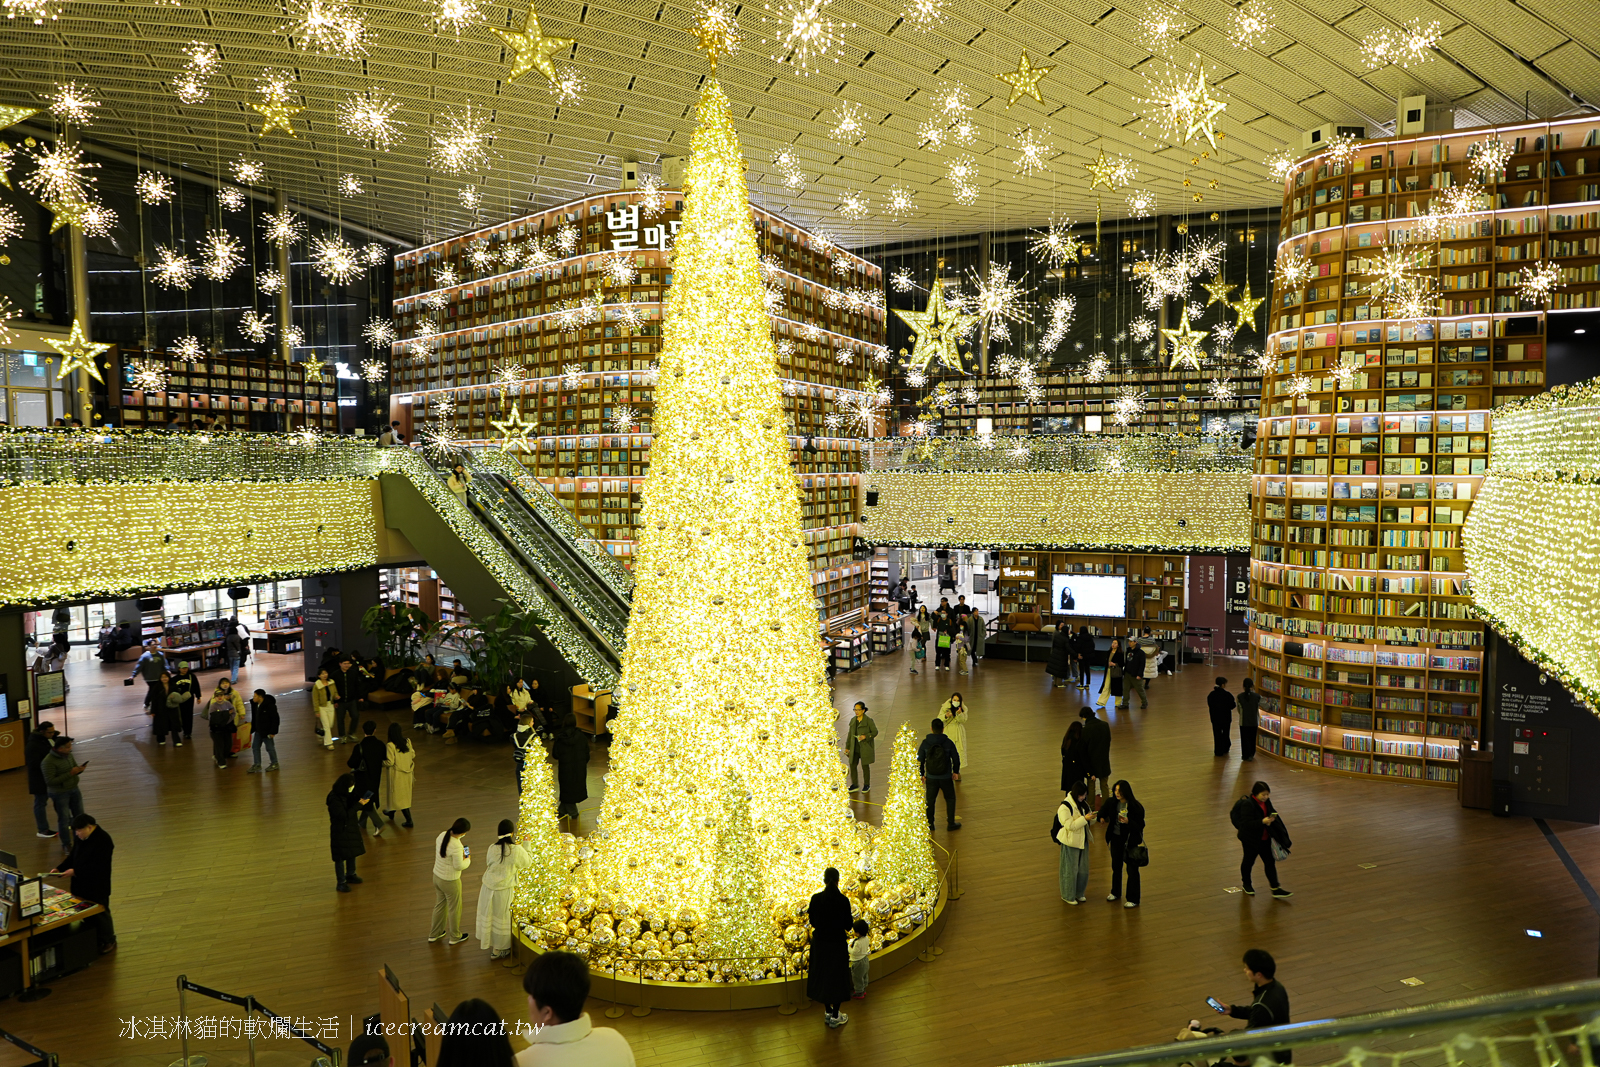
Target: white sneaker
{"points": [[1112, 896], [1130, 904], [1074, 903], [837, 1021]]}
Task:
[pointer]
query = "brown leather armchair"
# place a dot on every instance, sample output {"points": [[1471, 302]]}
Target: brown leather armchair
{"points": [[1024, 623]]}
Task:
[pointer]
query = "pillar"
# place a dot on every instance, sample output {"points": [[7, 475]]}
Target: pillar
{"points": [[280, 203], [333, 605], [79, 401]]}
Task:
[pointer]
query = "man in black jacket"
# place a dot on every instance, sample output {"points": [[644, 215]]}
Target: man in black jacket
{"points": [[1221, 705], [348, 679], [34, 752], [1097, 751], [939, 763], [89, 867], [1133, 665], [366, 763], [1083, 645], [264, 725], [1270, 1006]]}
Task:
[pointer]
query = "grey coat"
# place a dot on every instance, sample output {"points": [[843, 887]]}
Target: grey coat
{"points": [[868, 748], [977, 630]]}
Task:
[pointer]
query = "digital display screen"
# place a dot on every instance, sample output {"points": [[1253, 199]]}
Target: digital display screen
{"points": [[1098, 595]]}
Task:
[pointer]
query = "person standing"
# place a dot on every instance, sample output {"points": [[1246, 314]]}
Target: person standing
{"points": [[1074, 756], [860, 745], [186, 683], [1152, 659], [347, 684], [1096, 751], [828, 980], [459, 482], [1072, 834], [977, 631], [264, 723], [522, 742], [392, 437], [344, 832], [1111, 686], [1083, 646], [1259, 827], [1060, 664], [89, 867], [921, 630], [164, 716], [939, 764], [1249, 720], [1124, 819], [1133, 665], [571, 755], [323, 695], [954, 714], [944, 635], [500, 866], [1220, 702], [450, 857], [399, 772], [557, 984], [241, 717], [366, 763], [38, 746], [61, 773], [150, 667], [860, 958], [233, 649], [1269, 1006], [219, 719]]}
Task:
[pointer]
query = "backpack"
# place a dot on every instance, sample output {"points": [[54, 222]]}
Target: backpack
{"points": [[220, 716], [938, 762]]}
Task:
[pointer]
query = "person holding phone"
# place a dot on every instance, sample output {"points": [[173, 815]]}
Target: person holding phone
{"points": [[1260, 828], [451, 857], [344, 832], [366, 763], [1270, 1004], [61, 773]]}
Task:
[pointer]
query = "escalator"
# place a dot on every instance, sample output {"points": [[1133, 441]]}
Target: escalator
{"points": [[515, 544]]}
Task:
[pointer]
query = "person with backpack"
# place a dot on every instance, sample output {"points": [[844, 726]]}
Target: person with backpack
{"points": [[186, 683], [1261, 835], [1220, 704], [220, 719], [1249, 720], [1071, 832], [366, 763], [939, 763]]}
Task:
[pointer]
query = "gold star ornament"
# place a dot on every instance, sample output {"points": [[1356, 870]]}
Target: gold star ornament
{"points": [[275, 114], [939, 329], [1219, 291], [1200, 110], [1245, 308], [78, 353], [1185, 343], [716, 33], [66, 213], [514, 430], [10, 116], [1024, 81], [1106, 172], [533, 49]]}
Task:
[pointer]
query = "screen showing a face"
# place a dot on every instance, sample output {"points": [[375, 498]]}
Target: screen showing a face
{"points": [[1099, 595]]}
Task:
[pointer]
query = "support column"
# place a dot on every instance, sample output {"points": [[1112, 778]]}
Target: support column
{"points": [[1164, 226], [280, 203], [79, 402], [983, 272]]}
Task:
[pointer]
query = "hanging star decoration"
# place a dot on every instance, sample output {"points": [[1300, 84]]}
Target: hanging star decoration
{"points": [[1218, 291], [1245, 308], [938, 328], [1200, 110], [1185, 343], [274, 108], [68, 212], [10, 115], [514, 430], [1024, 81], [533, 49], [1109, 173], [78, 353]]}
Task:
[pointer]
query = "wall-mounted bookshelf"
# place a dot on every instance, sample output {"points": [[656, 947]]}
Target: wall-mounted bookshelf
{"points": [[1157, 598], [244, 392]]}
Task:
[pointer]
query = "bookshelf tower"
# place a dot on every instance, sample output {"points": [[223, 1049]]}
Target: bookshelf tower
{"points": [[1374, 433]]}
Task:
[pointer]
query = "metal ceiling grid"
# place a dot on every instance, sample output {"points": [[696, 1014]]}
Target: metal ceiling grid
{"points": [[643, 75]]}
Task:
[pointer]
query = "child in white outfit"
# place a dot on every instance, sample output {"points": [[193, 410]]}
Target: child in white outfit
{"points": [[860, 949]]}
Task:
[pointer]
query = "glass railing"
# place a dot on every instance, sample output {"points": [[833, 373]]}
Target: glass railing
{"points": [[1554, 1026], [1060, 452]]}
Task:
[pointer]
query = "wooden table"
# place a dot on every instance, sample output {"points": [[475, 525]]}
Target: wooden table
{"points": [[22, 931], [194, 652]]}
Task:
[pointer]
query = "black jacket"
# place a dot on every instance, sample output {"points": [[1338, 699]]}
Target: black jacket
{"points": [[1221, 703], [90, 864], [38, 746], [828, 979], [1133, 830], [1249, 709], [264, 718], [1133, 663], [571, 752], [366, 763], [931, 742], [1246, 818], [1059, 665], [188, 685], [1269, 1008], [1083, 645], [344, 833], [1097, 746], [1074, 764], [351, 683]]}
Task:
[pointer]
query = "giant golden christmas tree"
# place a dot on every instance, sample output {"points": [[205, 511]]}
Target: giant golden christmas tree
{"points": [[723, 669]]}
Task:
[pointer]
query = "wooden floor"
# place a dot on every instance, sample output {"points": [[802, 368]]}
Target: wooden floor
{"points": [[225, 877]]}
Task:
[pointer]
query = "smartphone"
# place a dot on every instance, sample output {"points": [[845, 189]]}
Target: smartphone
{"points": [[1217, 1005], [368, 795], [127, 681]]}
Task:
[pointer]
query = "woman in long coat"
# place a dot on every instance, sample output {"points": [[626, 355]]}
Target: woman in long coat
{"points": [[1074, 756], [344, 833], [828, 979], [399, 774], [1112, 685], [977, 633], [1060, 664], [571, 754], [504, 859], [954, 714]]}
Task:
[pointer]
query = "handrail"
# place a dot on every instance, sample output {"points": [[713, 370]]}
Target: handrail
{"points": [[1090, 452], [1572, 997]]}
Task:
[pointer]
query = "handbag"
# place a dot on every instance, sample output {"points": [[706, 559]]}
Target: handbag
{"points": [[944, 640], [1138, 855], [1279, 853]]}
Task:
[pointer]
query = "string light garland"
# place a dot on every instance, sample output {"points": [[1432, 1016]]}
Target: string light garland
{"points": [[1537, 281], [1405, 47], [1141, 203], [1031, 152], [902, 203], [96, 219], [60, 173], [1252, 22], [189, 349], [1129, 405], [848, 123], [334, 258], [924, 14], [230, 199], [349, 185], [249, 171], [270, 282], [147, 375], [331, 27], [455, 15], [854, 204], [201, 60]]}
